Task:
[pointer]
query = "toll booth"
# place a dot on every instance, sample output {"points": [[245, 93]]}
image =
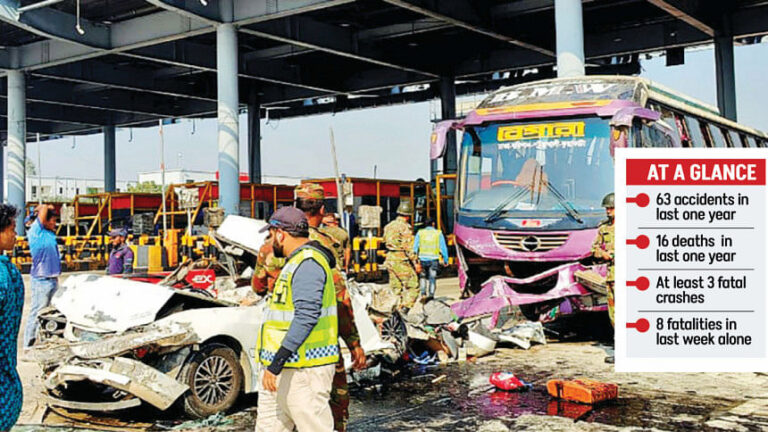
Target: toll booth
{"points": [[86, 235], [386, 194], [187, 233], [361, 195]]}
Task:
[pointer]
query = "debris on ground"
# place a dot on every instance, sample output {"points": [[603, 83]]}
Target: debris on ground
{"points": [[582, 390], [508, 381], [523, 334], [218, 419]]}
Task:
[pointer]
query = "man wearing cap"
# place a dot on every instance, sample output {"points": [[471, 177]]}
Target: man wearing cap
{"points": [[603, 248], [121, 257], [310, 198], [402, 264], [298, 341]]}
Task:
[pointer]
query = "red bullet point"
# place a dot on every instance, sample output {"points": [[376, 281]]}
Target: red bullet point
{"points": [[641, 200], [642, 325], [642, 283], [641, 242]]}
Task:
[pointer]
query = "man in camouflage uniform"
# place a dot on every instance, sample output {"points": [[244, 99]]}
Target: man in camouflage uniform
{"points": [[402, 263], [603, 248], [331, 227], [309, 198]]}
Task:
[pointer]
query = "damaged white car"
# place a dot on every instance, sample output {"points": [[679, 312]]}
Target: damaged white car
{"points": [[109, 343], [125, 342]]}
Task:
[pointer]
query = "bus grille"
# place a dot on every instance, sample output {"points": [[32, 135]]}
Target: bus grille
{"points": [[530, 243]]}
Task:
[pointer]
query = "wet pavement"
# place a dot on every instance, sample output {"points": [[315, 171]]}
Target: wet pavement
{"points": [[423, 400], [464, 401]]}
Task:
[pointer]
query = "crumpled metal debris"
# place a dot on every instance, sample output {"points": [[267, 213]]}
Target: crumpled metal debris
{"points": [[524, 334], [174, 334], [437, 312]]}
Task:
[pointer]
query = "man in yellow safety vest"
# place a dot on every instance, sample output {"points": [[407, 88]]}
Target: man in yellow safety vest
{"points": [[432, 250], [298, 341]]}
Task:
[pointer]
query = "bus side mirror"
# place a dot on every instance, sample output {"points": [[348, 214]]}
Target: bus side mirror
{"points": [[439, 137]]}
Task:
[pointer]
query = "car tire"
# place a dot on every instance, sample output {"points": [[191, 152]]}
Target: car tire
{"points": [[215, 381]]}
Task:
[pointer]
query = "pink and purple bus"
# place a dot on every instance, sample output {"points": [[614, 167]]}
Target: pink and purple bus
{"points": [[536, 160]]}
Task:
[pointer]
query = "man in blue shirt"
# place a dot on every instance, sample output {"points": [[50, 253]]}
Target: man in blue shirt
{"points": [[432, 250], [121, 257], [46, 266]]}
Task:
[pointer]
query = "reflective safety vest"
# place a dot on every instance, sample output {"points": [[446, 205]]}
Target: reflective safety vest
{"points": [[429, 244], [322, 345]]}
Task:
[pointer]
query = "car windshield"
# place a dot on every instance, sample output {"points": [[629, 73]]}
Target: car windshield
{"points": [[562, 166]]}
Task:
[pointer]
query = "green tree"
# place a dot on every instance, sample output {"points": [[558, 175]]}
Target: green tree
{"points": [[149, 186]]}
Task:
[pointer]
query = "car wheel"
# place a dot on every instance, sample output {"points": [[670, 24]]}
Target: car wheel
{"points": [[394, 330], [215, 381]]}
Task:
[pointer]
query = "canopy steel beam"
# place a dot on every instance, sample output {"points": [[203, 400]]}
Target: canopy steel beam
{"points": [[462, 14], [684, 12], [203, 58], [192, 9], [153, 29], [55, 24], [125, 78], [121, 101], [307, 33]]}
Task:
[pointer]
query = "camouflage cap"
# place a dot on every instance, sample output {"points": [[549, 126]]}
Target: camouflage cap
{"points": [[310, 191]]}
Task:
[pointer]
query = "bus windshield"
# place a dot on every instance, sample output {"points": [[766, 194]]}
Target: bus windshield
{"points": [[556, 168]]}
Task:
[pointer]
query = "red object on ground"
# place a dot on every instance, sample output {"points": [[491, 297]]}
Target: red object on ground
{"points": [[507, 381], [582, 390]]}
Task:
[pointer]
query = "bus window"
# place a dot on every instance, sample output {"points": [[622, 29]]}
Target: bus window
{"points": [[727, 137], [685, 136], [752, 142], [668, 117], [743, 139], [655, 134], [734, 138], [695, 129], [716, 136]]}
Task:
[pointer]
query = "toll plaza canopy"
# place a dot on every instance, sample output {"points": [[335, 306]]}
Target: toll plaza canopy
{"points": [[88, 64]]}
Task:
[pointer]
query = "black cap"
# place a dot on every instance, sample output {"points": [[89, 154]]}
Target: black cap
{"points": [[291, 220]]}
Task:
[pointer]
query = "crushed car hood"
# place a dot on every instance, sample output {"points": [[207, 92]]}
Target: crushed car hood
{"points": [[109, 304], [242, 232]]}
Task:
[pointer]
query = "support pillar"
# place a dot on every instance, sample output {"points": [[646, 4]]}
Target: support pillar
{"points": [[110, 176], [569, 32], [228, 122], [17, 138], [254, 138], [448, 111], [725, 74], [450, 165]]}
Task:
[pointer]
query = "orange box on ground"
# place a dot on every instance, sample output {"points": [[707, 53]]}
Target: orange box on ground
{"points": [[582, 390]]}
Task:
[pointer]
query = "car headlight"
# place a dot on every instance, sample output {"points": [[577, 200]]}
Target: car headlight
{"points": [[51, 326]]}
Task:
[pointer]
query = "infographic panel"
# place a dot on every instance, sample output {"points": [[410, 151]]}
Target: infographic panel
{"points": [[691, 258]]}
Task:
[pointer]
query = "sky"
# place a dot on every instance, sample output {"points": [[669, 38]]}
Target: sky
{"points": [[394, 140]]}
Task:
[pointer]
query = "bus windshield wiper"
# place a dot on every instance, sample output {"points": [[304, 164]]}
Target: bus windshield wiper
{"points": [[567, 205], [498, 211]]}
